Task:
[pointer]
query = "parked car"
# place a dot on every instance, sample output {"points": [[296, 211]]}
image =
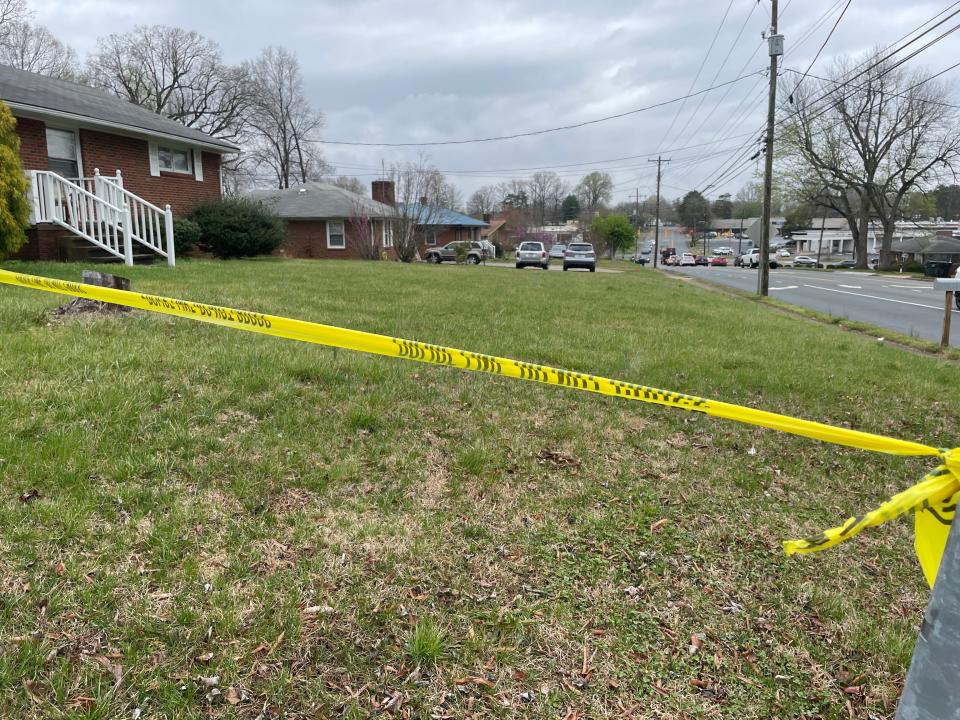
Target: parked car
{"points": [[752, 259], [532, 253], [580, 255], [718, 262], [687, 259], [645, 251], [783, 252], [723, 251], [671, 260], [557, 250], [804, 261], [841, 264], [448, 253], [640, 260], [702, 260]]}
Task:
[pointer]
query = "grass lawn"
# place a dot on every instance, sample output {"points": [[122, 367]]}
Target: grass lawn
{"points": [[338, 535]]}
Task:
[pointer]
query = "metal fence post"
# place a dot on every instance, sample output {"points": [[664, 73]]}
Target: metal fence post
{"points": [[932, 689]]}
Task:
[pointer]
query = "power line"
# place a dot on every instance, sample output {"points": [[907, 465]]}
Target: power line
{"points": [[699, 70], [723, 64], [544, 131], [871, 65]]}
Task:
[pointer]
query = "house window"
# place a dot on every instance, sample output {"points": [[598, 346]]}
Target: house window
{"points": [[62, 155], [336, 239], [175, 160], [431, 237], [387, 235]]}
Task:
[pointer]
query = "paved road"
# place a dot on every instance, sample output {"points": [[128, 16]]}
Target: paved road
{"points": [[911, 307], [555, 264]]}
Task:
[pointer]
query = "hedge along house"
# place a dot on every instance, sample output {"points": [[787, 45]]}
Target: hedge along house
{"points": [[328, 221], [106, 176]]}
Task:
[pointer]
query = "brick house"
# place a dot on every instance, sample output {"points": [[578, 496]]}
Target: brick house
{"points": [[93, 157], [322, 221]]}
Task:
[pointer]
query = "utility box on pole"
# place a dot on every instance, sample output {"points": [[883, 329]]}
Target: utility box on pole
{"points": [[775, 45]]}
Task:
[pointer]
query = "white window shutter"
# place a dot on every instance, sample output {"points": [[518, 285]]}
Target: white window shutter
{"points": [[197, 165], [154, 159]]}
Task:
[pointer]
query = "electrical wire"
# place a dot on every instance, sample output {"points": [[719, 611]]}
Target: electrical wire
{"points": [[544, 131]]}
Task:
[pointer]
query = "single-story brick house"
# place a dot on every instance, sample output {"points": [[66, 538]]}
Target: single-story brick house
{"points": [[322, 221], [440, 226], [113, 153]]}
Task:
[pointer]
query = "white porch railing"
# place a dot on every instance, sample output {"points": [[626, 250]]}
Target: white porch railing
{"points": [[67, 204], [149, 224], [103, 212]]}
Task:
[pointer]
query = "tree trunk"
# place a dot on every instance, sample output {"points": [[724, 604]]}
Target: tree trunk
{"points": [[886, 254], [860, 240]]}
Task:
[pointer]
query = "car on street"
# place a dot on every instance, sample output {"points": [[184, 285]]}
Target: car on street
{"points": [[718, 261], [472, 252], [723, 250], [702, 260], [671, 260], [783, 252], [580, 255], [557, 250], [646, 251], [842, 264], [640, 260], [687, 259], [804, 261], [532, 253], [752, 259]]}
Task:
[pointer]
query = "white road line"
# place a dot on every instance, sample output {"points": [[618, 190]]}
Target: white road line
{"points": [[785, 287], [851, 287], [874, 297]]}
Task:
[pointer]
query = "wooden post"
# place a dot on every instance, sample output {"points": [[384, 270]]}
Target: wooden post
{"points": [[947, 314]]}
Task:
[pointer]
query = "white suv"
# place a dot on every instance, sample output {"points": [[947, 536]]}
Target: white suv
{"points": [[532, 253]]}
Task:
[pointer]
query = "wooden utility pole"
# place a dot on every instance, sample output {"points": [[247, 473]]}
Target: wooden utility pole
{"points": [[775, 45], [656, 228]]}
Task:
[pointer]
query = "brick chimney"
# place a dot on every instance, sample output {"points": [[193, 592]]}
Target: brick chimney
{"points": [[382, 191]]}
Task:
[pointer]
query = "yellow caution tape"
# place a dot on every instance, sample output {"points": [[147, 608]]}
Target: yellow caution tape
{"points": [[935, 490]]}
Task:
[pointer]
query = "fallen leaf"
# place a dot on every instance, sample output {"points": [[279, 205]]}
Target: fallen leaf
{"points": [[233, 697], [695, 643], [111, 668], [659, 524], [853, 690], [205, 658], [82, 702], [59, 568]]}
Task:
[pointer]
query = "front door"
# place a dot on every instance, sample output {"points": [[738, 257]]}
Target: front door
{"points": [[62, 152]]}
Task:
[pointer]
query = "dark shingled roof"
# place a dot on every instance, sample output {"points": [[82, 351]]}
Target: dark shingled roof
{"points": [[319, 200], [38, 93]]}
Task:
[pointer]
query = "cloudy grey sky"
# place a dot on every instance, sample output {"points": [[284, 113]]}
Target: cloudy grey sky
{"points": [[425, 70]]}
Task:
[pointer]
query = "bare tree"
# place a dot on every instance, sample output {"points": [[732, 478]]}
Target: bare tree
{"points": [[35, 49], [361, 232], [177, 73], [546, 191], [859, 141], [12, 12], [484, 201], [348, 183], [421, 193], [595, 190], [284, 124]]}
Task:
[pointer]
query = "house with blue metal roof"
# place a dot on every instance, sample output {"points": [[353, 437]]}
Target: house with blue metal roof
{"points": [[439, 226]]}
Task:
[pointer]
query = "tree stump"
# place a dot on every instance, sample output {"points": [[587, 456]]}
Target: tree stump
{"points": [[84, 305]]}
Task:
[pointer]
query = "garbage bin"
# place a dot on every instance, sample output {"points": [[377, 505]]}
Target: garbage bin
{"points": [[937, 269]]}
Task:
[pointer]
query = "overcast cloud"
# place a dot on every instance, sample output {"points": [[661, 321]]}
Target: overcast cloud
{"points": [[426, 70]]}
